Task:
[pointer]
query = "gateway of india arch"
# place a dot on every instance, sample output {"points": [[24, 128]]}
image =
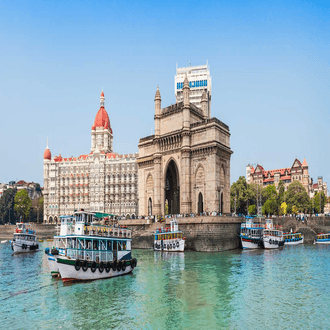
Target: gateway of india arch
{"points": [[185, 166]]}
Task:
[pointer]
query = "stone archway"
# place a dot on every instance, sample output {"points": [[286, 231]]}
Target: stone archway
{"points": [[55, 219], [172, 188], [200, 203], [50, 220]]}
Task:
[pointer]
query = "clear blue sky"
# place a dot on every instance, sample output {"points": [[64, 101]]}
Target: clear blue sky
{"points": [[269, 63]]}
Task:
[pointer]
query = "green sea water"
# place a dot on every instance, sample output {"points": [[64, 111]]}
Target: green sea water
{"points": [[279, 289]]}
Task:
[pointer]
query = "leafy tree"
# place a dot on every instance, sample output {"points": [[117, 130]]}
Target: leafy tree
{"points": [[281, 192], [244, 194], [294, 209], [252, 209], [23, 204], [270, 206], [283, 208], [238, 195], [272, 200], [271, 192], [317, 202], [7, 213], [297, 196]]}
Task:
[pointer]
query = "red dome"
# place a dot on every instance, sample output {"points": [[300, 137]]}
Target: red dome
{"points": [[101, 119], [47, 154]]}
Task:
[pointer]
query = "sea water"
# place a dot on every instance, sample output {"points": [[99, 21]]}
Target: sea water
{"points": [[278, 289]]}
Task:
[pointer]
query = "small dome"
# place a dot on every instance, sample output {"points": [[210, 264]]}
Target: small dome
{"points": [[101, 119], [47, 154]]}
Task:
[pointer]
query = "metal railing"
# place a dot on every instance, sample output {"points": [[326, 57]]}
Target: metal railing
{"points": [[89, 255]]}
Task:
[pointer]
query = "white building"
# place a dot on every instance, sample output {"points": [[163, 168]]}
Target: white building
{"points": [[100, 181], [199, 81]]}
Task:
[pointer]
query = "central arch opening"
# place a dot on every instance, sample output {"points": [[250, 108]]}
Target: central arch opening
{"points": [[172, 189], [150, 206], [200, 203]]}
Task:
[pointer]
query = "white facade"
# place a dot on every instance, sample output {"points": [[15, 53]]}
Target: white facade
{"points": [[199, 81], [101, 181]]}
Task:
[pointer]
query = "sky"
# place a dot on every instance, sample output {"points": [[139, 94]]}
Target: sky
{"points": [[269, 63]]}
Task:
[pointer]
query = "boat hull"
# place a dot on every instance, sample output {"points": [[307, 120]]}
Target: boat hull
{"points": [[24, 247], [52, 264], [176, 245], [69, 273], [301, 241], [322, 242], [272, 242], [251, 243]]}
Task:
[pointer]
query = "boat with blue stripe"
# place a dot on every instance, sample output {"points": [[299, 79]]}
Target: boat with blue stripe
{"points": [[293, 238], [251, 233], [322, 238]]}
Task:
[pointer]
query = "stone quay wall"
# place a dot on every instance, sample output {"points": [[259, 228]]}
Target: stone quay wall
{"points": [[205, 234]]}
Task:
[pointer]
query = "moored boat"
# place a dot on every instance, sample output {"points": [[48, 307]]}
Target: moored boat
{"points": [[322, 239], [272, 238], [25, 239], [251, 234], [91, 250], [60, 243], [293, 238], [169, 239]]}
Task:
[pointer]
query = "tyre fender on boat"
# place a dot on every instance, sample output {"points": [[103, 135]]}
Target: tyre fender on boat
{"points": [[77, 265], [177, 244], [101, 267], [135, 262], [108, 267], [114, 265], [123, 266], [85, 266], [270, 241], [93, 267], [119, 265]]}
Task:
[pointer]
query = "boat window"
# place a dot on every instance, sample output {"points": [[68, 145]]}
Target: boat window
{"points": [[109, 245], [124, 246], [119, 246]]}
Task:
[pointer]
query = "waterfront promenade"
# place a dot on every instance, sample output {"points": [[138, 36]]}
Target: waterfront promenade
{"points": [[202, 233]]}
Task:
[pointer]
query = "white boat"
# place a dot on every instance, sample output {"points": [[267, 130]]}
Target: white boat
{"points": [[251, 234], [5, 241], [60, 243], [322, 239], [293, 238], [89, 250], [169, 239], [25, 239], [272, 238]]}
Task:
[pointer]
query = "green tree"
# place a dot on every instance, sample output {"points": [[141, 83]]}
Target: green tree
{"points": [[252, 209], [297, 196], [23, 204], [269, 207], [244, 194], [294, 209], [7, 213], [281, 192], [317, 202]]}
